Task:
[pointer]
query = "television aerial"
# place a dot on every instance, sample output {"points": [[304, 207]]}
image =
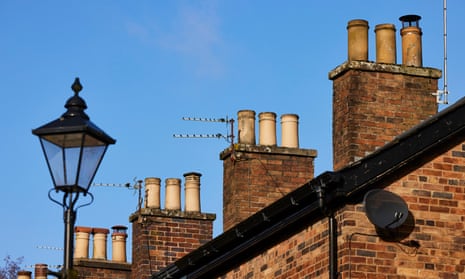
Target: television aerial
{"points": [[229, 137]]}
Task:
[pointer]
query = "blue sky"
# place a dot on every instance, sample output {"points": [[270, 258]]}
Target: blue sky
{"points": [[146, 64]]}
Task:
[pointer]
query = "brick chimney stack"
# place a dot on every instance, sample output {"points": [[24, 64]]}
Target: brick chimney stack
{"points": [[160, 236], [374, 102], [254, 176]]}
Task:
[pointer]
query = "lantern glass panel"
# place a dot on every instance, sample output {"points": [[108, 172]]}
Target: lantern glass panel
{"points": [[55, 160], [73, 159], [91, 157]]}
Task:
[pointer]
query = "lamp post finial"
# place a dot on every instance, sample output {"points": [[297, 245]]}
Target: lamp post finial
{"points": [[77, 87]]}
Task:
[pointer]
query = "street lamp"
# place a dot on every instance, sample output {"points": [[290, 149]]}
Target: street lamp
{"points": [[73, 147]]}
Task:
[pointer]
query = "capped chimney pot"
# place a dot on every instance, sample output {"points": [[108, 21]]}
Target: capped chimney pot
{"points": [[385, 43], [246, 126], [290, 130], [152, 192], [411, 41], [100, 243], [118, 242], [192, 191], [357, 32], [267, 128], [410, 20], [173, 194], [81, 250]]}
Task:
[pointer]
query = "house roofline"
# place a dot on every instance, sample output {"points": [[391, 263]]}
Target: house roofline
{"points": [[327, 192]]}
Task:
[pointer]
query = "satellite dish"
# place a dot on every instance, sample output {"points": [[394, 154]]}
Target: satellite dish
{"points": [[384, 209]]}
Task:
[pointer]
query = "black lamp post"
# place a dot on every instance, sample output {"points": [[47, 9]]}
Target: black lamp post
{"points": [[73, 147]]}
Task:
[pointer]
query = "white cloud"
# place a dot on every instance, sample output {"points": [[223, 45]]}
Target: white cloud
{"points": [[192, 32], [139, 31]]}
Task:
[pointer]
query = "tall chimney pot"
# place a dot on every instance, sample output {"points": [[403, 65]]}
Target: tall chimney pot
{"points": [[152, 192], [173, 194], [246, 126], [100, 243], [385, 43], [267, 128], [81, 250], [290, 130], [411, 41], [357, 32], [118, 243], [192, 191]]}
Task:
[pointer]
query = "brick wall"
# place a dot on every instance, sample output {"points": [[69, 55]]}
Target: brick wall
{"points": [[373, 103], [255, 176], [304, 255], [159, 237], [378, 106], [372, 106], [435, 195], [101, 269]]}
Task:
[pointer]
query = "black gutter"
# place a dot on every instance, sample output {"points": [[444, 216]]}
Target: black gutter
{"points": [[295, 211], [406, 152], [322, 195]]}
